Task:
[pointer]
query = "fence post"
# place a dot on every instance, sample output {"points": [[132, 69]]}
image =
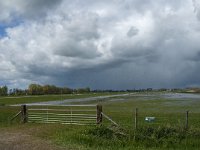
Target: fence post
{"points": [[136, 118], [99, 114], [24, 118], [186, 119]]}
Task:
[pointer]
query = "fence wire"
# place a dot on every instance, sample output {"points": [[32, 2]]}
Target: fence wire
{"points": [[162, 118]]}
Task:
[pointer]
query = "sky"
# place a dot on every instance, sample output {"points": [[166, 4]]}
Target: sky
{"points": [[101, 44]]}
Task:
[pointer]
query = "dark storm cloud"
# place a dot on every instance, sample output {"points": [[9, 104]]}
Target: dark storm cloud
{"points": [[39, 8], [31, 9], [80, 50], [132, 31], [102, 44], [197, 8]]}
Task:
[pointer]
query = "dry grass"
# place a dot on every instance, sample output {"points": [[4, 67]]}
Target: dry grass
{"points": [[24, 139]]}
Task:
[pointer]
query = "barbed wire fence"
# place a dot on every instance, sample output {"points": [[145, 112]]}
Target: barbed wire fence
{"points": [[182, 119], [140, 117]]}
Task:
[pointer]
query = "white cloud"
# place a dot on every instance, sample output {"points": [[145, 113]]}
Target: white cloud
{"points": [[102, 44]]}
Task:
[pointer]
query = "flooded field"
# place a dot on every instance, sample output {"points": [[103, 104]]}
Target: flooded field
{"points": [[166, 98]]}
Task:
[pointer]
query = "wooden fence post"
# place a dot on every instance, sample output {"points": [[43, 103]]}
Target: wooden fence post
{"points": [[99, 114], [186, 120], [136, 118], [24, 118]]}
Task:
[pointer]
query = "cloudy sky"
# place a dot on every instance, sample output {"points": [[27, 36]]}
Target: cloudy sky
{"points": [[115, 44]]}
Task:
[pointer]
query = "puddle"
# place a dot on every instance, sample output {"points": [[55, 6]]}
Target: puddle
{"points": [[181, 96]]}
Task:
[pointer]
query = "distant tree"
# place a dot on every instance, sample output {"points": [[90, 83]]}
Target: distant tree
{"points": [[87, 89], [3, 91], [35, 89], [83, 90], [46, 89], [66, 90]]}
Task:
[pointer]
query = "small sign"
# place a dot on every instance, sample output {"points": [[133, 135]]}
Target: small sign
{"points": [[150, 119]]}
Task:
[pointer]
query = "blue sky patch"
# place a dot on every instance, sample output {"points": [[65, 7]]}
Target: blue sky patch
{"points": [[4, 26], [2, 30]]}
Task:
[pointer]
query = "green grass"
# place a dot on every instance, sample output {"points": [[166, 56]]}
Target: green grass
{"points": [[109, 137], [166, 132], [6, 113]]}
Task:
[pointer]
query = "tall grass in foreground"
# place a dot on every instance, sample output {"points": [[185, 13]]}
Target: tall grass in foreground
{"points": [[112, 138]]}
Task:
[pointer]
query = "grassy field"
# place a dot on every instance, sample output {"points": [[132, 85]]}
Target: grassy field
{"points": [[166, 132]]}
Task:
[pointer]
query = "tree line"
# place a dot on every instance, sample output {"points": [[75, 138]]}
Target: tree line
{"points": [[37, 89]]}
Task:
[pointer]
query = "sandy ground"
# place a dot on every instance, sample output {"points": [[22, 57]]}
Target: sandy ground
{"points": [[18, 140]]}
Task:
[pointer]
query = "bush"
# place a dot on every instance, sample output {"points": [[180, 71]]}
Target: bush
{"points": [[161, 136]]}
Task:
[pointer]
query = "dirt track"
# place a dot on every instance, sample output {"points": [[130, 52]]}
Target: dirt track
{"points": [[17, 140]]}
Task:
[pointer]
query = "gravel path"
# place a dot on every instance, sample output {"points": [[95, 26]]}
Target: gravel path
{"points": [[18, 140]]}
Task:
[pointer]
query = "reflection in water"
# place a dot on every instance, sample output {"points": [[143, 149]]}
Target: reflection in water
{"points": [[181, 98]]}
